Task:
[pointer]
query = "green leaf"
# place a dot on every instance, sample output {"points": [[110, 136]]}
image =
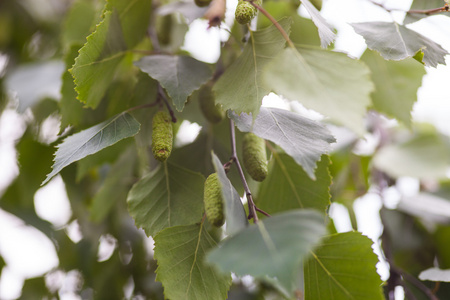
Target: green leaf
{"points": [[295, 189], [2, 264], [70, 108], [196, 156], [343, 267], [134, 18], [326, 32], [180, 253], [241, 88], [178, 75], [303, 30], [235, 216], [423, 5], [123, 26], [396, 42], [92, 140], [328, 82], [115, 187], [168, 196], [396, 85], [273, 247], [435, 274], [425, 156], [34, 288], [108, 155], [412, 248], [94, 68], [303, 139], [79, 22], [34, 160]]}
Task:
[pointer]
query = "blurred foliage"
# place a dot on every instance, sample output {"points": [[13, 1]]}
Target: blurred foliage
{"points": [[98, 46]]}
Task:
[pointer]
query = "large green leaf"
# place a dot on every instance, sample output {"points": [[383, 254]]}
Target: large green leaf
{"points": [[180, 252], [108, 155], [168, 196], [71, 109], [92, 140], [294, 187], [420, 5], [326, 32], [397, 42], [115, 186], [235, 216], [179, 75], [425, 156], [328, 82], [79, 22], [123, 26], [303, 139], [273, 247], [241, 88], [343, 267], [396, 85], [95, 66]]}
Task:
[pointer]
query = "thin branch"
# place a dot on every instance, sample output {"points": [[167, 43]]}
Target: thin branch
{"points": [[263, 212], [251, 205], [162, 96], [146, 105], [416, 282], [431, 11], [274, 22]]}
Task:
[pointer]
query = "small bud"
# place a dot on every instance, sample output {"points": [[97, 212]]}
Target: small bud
{"points": [[212, 199], [254, 156], [162, 135]]}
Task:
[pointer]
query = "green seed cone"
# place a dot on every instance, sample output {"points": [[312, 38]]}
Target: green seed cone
{"points": [[245, 11], [212, 112], [212, 199], [255, 157], [162, 135]]}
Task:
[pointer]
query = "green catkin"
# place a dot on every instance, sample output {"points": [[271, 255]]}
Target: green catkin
{"points": [[245, 11], [164, 31], [212, 199], [162, 135], [211, 111], [255, 157]]}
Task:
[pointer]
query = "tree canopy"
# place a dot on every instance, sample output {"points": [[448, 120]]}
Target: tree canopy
{"points": [[103, 69]]}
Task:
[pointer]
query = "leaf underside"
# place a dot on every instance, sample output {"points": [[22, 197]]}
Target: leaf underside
{"points": [[92, 140]]}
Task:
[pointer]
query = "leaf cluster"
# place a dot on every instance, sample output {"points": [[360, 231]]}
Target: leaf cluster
{"points": [[104, 69]]}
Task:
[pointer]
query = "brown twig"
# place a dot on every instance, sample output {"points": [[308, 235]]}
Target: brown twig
{"points": [[146, 105], [274, 22], [431, 11], [234, 158]]}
